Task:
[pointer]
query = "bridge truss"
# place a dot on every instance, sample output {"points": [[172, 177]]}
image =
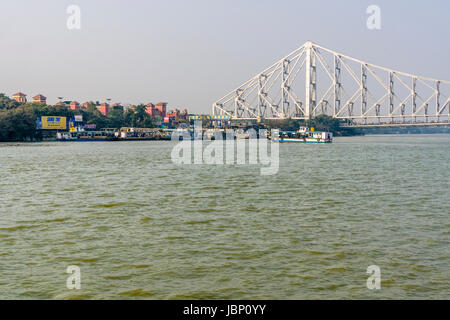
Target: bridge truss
{"points": [[314, 80]]}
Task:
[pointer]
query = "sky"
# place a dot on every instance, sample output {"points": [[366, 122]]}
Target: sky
{"points": [[190, 53]]}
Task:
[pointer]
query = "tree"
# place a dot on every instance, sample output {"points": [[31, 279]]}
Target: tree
{"points": [[138, 117], [324, 123], [141, 113], [115, 119], [7, 103], [18, 124], [284, 124]]}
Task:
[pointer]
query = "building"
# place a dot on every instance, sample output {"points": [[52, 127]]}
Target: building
{"points": [[20, 97], [117, 106], [74, 105], [161, 107], [173, 114], [63, 103], [39, 99], [103, 108], [158, 110], [150, 109]]}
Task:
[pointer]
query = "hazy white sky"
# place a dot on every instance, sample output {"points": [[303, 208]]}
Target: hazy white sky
{"points": [[191, 52]]}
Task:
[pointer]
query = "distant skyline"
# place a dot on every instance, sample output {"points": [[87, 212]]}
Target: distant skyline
{"points": [[192, 52]]}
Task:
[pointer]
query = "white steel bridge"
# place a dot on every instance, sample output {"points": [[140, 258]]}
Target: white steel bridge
{"points": [[314, 80]]}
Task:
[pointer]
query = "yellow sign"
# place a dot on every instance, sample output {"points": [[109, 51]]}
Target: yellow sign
{"points": [[54, 123], [312, 129]]}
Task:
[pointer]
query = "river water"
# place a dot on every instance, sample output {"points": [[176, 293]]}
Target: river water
{"points": [[140, 227]]}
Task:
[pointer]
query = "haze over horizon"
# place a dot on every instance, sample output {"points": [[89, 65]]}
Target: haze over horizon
{"points": [[190, 53]]}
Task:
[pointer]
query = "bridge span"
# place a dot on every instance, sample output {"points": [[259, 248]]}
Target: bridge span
{"points": [[314, 80]]}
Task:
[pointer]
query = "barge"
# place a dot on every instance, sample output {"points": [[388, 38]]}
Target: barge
{"points": [[304, 135], [86, 136]]}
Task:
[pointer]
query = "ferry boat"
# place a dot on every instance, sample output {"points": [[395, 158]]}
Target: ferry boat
{"points": [[143, 134], [86, 136], [304, 135]]}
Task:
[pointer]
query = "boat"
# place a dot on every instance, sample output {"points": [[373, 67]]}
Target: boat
{"points": [[86, 136], [143, 134], [304, 135]]}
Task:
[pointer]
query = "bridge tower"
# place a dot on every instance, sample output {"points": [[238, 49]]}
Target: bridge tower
{"points": [[311, 77]]}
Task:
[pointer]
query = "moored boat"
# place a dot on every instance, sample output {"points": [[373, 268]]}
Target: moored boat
{"points": [[86, 136], [143, 134], [304, 135]]}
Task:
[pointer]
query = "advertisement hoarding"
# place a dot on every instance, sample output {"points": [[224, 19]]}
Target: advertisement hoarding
{"points": [[54, 123]]}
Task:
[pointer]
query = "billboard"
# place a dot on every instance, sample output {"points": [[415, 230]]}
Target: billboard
{"points": [[54, 123]]}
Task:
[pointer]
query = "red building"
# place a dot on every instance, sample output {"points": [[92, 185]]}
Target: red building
{"points": [[103, 108], [150, 109], [157, 111], [161, 107], [173, 114], [39, 99], [74, 105], [20, 97]]}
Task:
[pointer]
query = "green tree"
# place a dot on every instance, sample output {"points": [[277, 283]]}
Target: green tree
{"points": [[7, 103], [138, 117], [18, 124], [115, 119], [284, 124], [325, 123]]}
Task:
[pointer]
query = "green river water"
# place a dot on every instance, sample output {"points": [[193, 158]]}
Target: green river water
{"points": [[140, 227]]}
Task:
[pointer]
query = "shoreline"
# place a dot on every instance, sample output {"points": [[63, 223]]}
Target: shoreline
{"points": [[168, 140]]}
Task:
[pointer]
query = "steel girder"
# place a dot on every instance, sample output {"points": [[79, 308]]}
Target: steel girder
{"points": [[314, 80]]}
